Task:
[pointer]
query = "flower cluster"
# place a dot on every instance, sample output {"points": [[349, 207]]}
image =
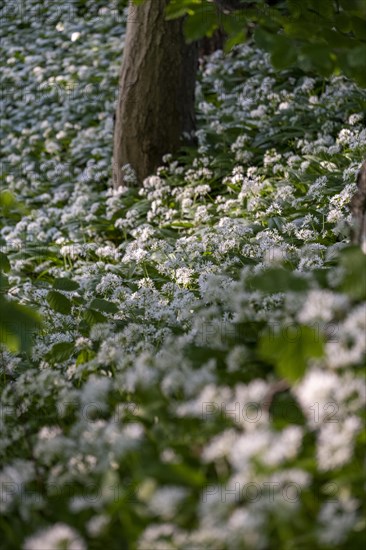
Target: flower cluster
{"points": [[197, 379]]}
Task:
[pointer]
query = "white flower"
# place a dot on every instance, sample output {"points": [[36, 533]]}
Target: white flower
{"points": [[75, 36], [336, 442], [165, 501], [355, 118], [308, 84], [322, 305], [107, 251], [95, 392], [284, 106], [326, 397], [236, 358], [270, 448], [336, 519], [184, 275], [284, 447], [157, 536], [49, 432], [58, 537], [349, 347], [96, 525], [344, 136], [275, 255], [247, 526], [220, 446]]}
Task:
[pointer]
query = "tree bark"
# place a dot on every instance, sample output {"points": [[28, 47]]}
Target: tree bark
{"points": [[358, 208], [156, 91]]}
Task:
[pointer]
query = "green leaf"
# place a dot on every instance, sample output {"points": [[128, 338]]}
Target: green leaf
{"points": [[60, 351], [290, 349], [203, 22], [285, 410], [263, 39], [353, 261], [277, 280], [92, 316], [316, 57], [283, 52], [58, 302], [359, 27], [356, 7], [357, 57], [17, 325], [295, 8], [84, 356], [4, 285], [178, 8], [10, 339], [234, 39], [323, 8], [180, 223], [64, 283], [4, 262], [343, 22], [275, 222], [187, 475], [104, 305], [7, 200]]}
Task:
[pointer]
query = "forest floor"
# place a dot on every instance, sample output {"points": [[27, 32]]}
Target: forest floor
{"points": [[197, 379]]}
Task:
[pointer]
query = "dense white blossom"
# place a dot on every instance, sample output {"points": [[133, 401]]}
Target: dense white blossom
{"points": [[157, 379]]}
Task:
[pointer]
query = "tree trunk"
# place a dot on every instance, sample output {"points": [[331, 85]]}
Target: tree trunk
{"points": [[156, 91], [358, 207]]}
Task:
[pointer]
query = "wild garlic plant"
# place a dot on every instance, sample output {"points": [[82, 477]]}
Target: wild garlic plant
{"points": [[197, 381]]}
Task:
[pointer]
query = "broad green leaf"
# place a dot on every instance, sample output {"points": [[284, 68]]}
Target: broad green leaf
{"points": [[263, 39], [359, 27], [316, 57], [290, 349], [4, 262], [295, 8], [356, 7], [58, 302], [278, 280], [4, 285], [235, 28], [324, 7], [353, 261], [92, 316], [64, 283], [282, 49], [338, 41], [84, 356], [284, 54], [179, 8], [357, 57], [7, 200], [343, 22], [184, 473], [285, 410], [203, 22], [17, 325], [61, 351], [104, 305], [10, 339]]}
